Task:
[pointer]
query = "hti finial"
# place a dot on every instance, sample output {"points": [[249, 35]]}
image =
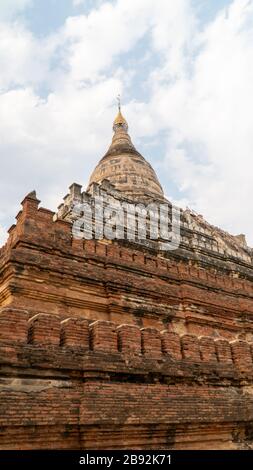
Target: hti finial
{"points": [[120, 122], [119, 102]]}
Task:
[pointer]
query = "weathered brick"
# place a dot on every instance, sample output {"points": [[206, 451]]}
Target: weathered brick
{"points": [[151, 342], [44, 329], [14, 325], [129, 339], [190, 347], [207, 349], [242, 358], [171, 344], [75, 332], [104, 336], [223, 350]]}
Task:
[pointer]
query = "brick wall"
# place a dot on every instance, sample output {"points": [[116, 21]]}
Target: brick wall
{"points": [[104, 345], [63, 382]]}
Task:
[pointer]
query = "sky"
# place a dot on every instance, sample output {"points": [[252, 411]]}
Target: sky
{"points": [[184, 70]]}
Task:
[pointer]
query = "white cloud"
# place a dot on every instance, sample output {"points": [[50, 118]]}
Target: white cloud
{"points": [[95, 3], [10, 7], [93, 41], [210, 116], [23, 59]]}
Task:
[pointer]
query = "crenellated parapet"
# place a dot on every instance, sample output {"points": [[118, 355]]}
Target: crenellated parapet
{"points": [[197, 235], [37, 226], [120, 343]]}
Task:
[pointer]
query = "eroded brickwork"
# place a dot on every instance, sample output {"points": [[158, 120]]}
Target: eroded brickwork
{"points": [[109, 345], [71, 384]]}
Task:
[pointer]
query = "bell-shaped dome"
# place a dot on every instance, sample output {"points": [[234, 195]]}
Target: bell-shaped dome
{"points": [[125, 167]]}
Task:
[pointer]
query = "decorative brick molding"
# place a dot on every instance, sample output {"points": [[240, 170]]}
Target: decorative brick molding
{"points": [[127, 340]]}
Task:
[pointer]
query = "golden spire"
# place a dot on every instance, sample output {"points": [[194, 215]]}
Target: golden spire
{"points": [[120, 122]]}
